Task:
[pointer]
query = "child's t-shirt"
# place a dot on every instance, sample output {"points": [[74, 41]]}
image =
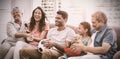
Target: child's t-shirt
{"points": [[69, 52]]}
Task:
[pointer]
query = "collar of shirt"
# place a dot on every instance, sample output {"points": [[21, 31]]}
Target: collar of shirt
{"points": [[101, 29]]}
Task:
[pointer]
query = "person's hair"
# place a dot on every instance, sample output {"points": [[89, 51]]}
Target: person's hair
{"points": [[16, 9], [86, 25], [63, 14], [100, 16], [41, 22]]}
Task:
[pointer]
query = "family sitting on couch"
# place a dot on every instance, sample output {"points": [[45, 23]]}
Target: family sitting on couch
{"points": [[61, 42]]}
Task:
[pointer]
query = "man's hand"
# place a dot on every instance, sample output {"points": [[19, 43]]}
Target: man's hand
{"points": [[49, 43], [77, 47]]}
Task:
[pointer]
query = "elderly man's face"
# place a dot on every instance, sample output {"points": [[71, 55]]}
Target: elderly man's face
{"points": [[17, 15], [96, 25]]}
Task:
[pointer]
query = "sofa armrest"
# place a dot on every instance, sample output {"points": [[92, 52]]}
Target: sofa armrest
{"points": [[117, 55]]}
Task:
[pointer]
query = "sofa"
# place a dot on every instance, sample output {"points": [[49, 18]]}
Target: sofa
{"points": [[117, 30]]}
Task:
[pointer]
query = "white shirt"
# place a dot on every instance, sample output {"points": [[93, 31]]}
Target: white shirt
{"points": [[12, 29], [93, 37], [60, 36], [92, 43]]}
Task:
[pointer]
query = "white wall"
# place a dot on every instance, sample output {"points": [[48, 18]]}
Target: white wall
{"points": [[25, 5], [5, 16]]}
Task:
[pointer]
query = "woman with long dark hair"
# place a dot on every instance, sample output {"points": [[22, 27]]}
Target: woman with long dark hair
{"points": [[38, 29]]}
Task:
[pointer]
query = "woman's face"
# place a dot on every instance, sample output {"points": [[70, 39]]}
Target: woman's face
{"points": [[81, 29], [37, 15]]}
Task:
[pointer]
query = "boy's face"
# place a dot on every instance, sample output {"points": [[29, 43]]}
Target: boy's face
{"points": [[81, 29]]}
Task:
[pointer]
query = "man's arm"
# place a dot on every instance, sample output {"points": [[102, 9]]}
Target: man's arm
{"points": [[19, 35], [59, 47], [11, 31], [102, 50], [108, 40]]}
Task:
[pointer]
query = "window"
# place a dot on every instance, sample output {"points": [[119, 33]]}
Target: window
{"points": [[81, 10]]}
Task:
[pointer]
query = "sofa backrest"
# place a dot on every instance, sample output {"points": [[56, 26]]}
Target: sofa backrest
{"points": [[116, 28]]}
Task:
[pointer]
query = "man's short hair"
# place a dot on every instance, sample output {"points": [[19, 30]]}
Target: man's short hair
{"points": [[16, 9], [100, 16], [63, 13]]}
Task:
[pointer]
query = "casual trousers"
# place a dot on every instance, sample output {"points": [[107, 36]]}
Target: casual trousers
{"points": [[20, 45], [4, 48], [9, 55], [29, 53], [50, 54]]}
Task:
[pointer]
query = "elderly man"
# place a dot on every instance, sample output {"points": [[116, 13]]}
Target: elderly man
{"points": [[104, 40], [15, 32]]}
